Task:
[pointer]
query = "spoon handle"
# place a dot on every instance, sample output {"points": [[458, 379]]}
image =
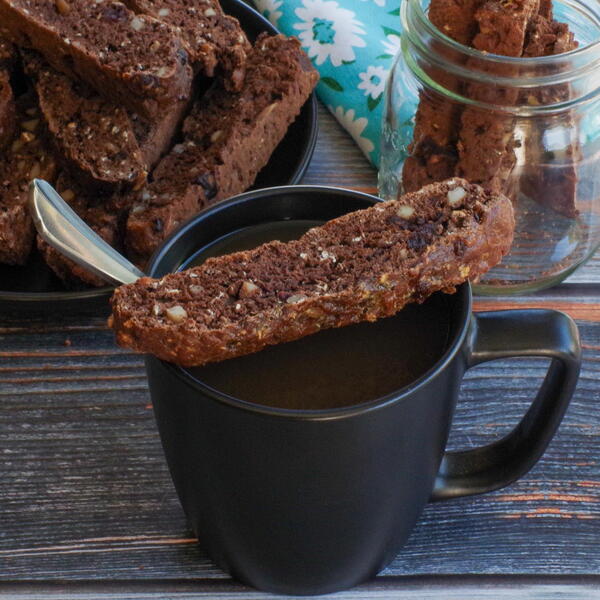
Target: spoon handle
{"points": [[58, 225]]}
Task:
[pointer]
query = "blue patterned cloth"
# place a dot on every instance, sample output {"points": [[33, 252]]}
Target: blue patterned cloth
{"points": [[352, 43]]}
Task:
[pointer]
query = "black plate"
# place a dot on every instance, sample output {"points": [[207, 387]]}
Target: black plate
{"points": [[33, 287]]}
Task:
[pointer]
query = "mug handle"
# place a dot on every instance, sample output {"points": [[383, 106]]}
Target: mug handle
{"points": [[505, 334]]}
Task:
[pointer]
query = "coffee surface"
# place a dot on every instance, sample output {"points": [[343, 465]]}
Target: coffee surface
{"points": [[334, 368]]}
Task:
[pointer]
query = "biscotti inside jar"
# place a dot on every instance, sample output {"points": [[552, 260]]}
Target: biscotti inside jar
{"points": [[474, 138]]}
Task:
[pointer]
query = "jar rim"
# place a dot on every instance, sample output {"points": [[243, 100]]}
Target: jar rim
{"points": [[489, 57]]}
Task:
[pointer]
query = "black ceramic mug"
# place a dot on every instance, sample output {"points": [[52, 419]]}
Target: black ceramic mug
{"points": [[313, 501]]}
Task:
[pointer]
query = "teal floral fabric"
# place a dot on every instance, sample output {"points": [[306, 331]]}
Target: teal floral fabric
{"points": [[352, 43]]}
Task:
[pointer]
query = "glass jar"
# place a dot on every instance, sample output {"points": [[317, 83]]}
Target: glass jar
{"points": [[528, 127]]}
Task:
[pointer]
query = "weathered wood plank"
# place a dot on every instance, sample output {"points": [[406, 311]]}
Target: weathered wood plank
{"points": [[409, 588], [86, 494]]}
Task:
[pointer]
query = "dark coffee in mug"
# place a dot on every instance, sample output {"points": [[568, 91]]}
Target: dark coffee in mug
{"points": [[336, 367]]}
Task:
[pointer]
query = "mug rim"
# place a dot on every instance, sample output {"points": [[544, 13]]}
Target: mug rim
{"points": [[183, 374]]}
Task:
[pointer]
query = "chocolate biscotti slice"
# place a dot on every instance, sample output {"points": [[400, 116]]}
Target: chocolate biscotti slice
{"points": [[228, 139], [552, 184], [27, 157], [7, 54], [242, 130], [133, 60], [99, 142], [93, 136], [360, 267], [104, 214], [8, 117], [432, 153], [486, 142], [213, 39]]}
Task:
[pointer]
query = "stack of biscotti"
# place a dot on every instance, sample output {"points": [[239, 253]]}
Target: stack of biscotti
{"points": [[100, 142], [137, 57], [360, 267], [476, 144], [108, 86]]}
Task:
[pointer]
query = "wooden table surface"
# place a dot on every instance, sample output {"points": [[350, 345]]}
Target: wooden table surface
{"points": [[87, 508]]}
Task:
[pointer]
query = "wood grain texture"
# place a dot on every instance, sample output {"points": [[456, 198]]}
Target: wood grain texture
{"points": [[87, 508], [86, 493], [346, 167], [405, 588]]}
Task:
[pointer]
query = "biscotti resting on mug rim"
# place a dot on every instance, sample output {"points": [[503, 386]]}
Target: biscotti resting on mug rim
{"points": [[359, 267]]}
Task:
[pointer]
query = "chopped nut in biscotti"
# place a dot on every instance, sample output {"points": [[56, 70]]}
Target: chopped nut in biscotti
{"points": [[296, 298], [456, 195], [396, 262], [176, 314], [248, 289], [404, 211], [63, 7]]}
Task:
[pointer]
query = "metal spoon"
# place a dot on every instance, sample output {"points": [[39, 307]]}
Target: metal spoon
{"points": [[58, 225]]}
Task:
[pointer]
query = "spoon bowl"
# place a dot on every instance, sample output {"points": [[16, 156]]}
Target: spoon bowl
{"points": [[59, 225]]}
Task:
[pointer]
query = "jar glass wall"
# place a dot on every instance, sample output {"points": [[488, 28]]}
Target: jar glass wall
{"points": [[526, 127]]}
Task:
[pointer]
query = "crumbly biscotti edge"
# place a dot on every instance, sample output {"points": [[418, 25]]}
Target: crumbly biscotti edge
{"points": [[481, 248]]}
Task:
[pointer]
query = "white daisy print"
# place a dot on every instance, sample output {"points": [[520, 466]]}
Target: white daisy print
{"points": [[269, 9], [391, 44], [329, 31], [372, 81], [355, 127]]}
